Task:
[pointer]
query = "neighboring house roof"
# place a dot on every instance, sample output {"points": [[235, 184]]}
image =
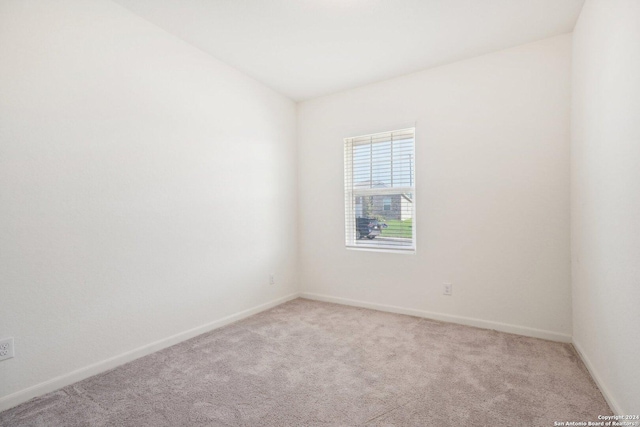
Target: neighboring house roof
{"points": [[378, 184], [370, 184]]}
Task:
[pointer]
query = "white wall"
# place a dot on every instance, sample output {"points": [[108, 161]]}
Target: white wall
{"points": [[145, 189], [492, 174], [605, 204]]}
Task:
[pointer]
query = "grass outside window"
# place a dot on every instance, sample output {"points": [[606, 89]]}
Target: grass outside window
{"points": [[398, 228]]}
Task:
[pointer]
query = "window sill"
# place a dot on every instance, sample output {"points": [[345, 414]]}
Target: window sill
{"points": [[367, 248]]}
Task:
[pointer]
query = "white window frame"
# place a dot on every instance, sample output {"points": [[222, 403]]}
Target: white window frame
{"points": [[351, 193]]}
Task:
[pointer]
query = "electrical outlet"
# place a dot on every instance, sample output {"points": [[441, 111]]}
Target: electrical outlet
{"points": [[6, 348], [272, 279], [447, 289]]}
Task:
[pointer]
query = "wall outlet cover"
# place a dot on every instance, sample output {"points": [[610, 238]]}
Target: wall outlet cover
{"points": [[6, 348]]}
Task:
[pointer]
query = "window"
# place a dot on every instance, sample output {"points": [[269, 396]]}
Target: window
{"points": [[379, 188], [386, 204]]}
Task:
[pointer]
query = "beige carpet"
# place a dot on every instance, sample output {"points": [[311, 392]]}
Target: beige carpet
{"points": [[308, 363]]}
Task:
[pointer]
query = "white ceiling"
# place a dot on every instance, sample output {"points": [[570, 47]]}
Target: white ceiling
{"points": [[308, 48]]}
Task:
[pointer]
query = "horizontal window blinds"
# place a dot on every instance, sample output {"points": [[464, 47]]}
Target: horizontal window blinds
{"points": [[380, 190]]}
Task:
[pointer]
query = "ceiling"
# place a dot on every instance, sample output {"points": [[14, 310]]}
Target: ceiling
{"points": [[308, 48]]}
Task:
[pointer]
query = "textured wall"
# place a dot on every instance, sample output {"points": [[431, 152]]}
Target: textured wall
{"points": [[605, 208], [492, 190], [145, 188]]}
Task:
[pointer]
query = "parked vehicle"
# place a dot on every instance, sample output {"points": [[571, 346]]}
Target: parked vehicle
{"points": [[369, 228]]}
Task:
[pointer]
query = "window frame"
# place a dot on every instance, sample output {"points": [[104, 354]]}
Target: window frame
{"points": [[351, 194]]}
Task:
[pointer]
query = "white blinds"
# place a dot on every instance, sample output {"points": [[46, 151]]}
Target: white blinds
{"points": [[379, 190]]}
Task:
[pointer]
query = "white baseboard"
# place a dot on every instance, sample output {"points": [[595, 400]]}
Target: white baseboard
{"points": [[88, 371], [102, 366], [478, 323], [617, 410]]}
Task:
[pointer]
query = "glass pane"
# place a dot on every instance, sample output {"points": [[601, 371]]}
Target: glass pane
{"points": [[384, 220], [383, 164], [362, 166], [403, 163]]}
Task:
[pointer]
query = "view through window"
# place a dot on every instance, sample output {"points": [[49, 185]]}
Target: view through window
{"points": [[380, 190]]}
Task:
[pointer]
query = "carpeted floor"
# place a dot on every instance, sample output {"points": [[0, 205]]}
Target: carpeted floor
{"points": [[308, 363]]}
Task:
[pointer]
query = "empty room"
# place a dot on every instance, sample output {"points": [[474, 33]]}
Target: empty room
{"points": [[319, 213]]}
